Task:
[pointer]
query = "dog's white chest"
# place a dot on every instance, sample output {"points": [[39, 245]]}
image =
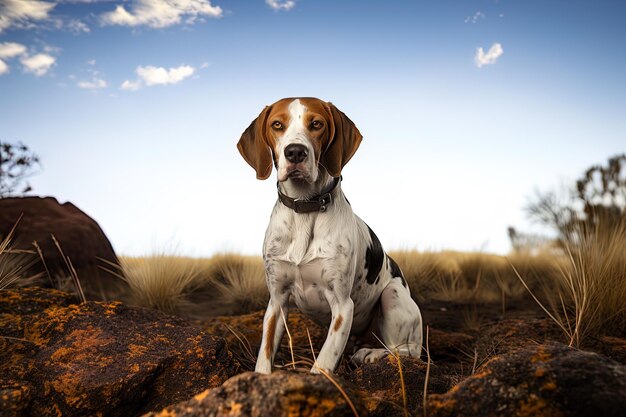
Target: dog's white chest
{"points": [[307, 285], [308, 291]]}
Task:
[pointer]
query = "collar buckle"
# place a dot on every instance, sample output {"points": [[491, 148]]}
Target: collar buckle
{"points": [[324, 201]]}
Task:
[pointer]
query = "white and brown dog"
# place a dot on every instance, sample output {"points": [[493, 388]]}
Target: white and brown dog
{"points": [[316, 249]]}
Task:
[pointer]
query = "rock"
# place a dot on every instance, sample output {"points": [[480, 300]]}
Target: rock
{"points": [[100, 358], [449, 345], [510, 335], [610, 346], [80, 237], [280, 394], [548, 380], [15, 398], [380, 384]]}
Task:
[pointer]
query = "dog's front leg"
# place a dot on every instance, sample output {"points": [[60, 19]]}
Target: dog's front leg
{"points": [[273, 329], [342, 309]]}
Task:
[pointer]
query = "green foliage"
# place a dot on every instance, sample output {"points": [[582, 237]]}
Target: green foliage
{"points": [[16, 164]]}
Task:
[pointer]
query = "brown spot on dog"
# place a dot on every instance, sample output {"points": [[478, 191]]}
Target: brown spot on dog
{"points": [[338, 323], [269, 337]]}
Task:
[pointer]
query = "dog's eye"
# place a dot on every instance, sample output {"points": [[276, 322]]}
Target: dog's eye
{"points": [[277, 125], [316, 124]]}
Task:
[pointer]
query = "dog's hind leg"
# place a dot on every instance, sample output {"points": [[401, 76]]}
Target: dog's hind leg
{"points": [[399, 323]]}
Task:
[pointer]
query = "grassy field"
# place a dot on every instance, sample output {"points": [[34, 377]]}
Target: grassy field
{"points": [[235, 284], [582, 287]]}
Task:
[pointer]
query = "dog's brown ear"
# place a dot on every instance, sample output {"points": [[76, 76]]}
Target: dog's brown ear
{"points": [[344, 141], [255, 148]]}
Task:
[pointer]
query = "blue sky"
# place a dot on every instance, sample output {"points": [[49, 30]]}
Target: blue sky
{"points": [[466, 108]]}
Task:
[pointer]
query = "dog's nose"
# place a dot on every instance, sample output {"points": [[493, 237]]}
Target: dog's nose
{"points": [[295, 153]]}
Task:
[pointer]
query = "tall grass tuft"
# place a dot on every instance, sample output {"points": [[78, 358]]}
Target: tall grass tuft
{"points": [[14, 264], [9, 270], [238, 282], [595, 281], [590, 298], [162, 281], [195, 287]]}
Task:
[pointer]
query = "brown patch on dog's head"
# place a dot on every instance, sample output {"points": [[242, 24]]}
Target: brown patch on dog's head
{"points": [[343, 143], [255, 147]]}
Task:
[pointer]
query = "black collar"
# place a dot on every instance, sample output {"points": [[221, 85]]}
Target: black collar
{"points": [[317, 203]]}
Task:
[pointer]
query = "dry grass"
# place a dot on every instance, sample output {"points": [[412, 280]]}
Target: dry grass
{"points": [[223, 284], [14, 264], [162, 281], [235, 284], [239, 283], [72, 271], [590, 291], [473, 277]]}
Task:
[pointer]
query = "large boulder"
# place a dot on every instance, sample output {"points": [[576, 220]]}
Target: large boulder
{"points": [[281, 394], [538, 380], [98, 358], [80, 238]]}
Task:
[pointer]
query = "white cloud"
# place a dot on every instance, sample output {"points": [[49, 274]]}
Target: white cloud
{"points": [[151, 75], [159, 75], [475, 18], [38, 64], [11, 49], [96, 83], [20, 12], [160, 13], [77, 26], [52, 49], [281, 4], [490, 57], [129, 85]]}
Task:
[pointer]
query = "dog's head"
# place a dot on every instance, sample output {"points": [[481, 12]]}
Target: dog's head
{"points": [[299, 136]]}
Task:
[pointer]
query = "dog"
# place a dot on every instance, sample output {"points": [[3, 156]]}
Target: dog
{"points": [[316, 250]]}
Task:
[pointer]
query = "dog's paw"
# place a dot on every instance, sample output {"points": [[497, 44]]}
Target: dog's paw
{"points": [[367, 355]]}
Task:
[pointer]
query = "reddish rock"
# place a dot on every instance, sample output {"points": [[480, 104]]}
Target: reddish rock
{"points": [[538, 380], [610, 346], [385, 390], [449, 345], [80, 237], [281, 394], [100, 358], [15, 398], [509, 335]]}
